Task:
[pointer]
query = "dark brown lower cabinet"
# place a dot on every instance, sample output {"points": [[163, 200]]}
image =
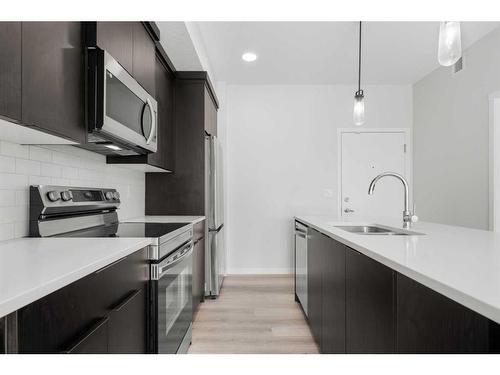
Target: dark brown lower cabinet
{"points": [[370, 324], [198, 264], [94, 341], [198, 273], [315, 251], [326, 291], [358, 305], [334, 298], [428, 322], [104, 312]]}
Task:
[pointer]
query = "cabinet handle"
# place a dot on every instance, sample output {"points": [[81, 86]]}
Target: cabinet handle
{"points": [[110, 265], [127, 299], [89, 333]]}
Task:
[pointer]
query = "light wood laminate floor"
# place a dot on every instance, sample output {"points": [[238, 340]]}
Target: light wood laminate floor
{"points": [[253, 314]]}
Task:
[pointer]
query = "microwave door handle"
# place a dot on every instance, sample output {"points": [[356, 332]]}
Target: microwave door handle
{"points": [[153, 122]]}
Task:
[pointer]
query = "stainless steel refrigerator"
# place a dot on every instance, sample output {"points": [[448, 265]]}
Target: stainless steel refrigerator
{"points": [[215, 250]]}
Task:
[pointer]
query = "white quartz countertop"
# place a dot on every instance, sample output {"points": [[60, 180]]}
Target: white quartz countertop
{"points": [[460, 263], [31, 268], [167, 219]]}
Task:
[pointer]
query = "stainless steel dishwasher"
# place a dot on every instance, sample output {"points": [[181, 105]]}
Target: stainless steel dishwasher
{"points": [[301, 265]]}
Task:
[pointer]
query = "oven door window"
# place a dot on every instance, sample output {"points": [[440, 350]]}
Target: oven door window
{"points": [[175, 303], [123, 106]]}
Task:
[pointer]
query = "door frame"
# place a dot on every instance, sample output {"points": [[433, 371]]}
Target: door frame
{"points": [[494, 163], [407, 132]]}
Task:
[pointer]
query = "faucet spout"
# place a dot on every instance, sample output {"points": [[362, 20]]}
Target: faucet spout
{"points": [[408, 217]]}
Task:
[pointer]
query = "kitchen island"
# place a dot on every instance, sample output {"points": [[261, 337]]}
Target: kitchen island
{"points": [[398, 287]]}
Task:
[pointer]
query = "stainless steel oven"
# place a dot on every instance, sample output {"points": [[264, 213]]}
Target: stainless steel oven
{"points": [[172, 303], [121, 114]]}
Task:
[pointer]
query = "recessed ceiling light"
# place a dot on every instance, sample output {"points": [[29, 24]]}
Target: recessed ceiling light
{"points": [[249, 56]]}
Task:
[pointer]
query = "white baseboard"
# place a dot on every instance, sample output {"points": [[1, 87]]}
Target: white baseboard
{"points": [[259, 271]]}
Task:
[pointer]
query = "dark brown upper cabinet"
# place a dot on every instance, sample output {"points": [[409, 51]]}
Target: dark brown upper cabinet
{"points": [[53, 78], [183, 192], [164, 157], [117, 38], [10, 70], [132, 44], [143, 58]]}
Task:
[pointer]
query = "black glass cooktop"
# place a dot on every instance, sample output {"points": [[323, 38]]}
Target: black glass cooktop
{"points": [[147, 230]]}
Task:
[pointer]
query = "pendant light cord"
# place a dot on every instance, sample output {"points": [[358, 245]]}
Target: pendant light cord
{"points": [[359, 59]]}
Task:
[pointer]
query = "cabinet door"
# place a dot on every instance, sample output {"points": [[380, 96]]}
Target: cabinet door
{"points": [[370, 316], [53, 78], [198, 273], [143, 58], [164, 156], [315, 263], [333, 296], [127, 325], [118, 40], [10, 70], [210, 114], [428, 322]]}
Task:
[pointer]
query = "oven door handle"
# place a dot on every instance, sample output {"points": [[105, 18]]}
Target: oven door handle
{"points": [[159, 270], [153, 122]]}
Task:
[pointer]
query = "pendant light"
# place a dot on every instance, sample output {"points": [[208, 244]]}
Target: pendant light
{"points": [[359, 97], [450, 43]]}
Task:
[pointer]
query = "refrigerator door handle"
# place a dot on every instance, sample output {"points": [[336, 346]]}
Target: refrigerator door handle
{"points": [[216, 229]]}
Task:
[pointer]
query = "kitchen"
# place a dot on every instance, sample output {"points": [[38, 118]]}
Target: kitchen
{"points": [[173, 187]]}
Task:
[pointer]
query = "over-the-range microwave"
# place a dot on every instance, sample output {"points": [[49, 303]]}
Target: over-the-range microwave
{"points": [[121, 114]]}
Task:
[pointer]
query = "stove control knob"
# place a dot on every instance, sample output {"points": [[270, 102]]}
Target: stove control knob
{"points": [[66, 195], [116, 195], [109, 195], [53, 196]]}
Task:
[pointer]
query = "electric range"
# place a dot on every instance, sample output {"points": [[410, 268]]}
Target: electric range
{"points": [[61, 211]]}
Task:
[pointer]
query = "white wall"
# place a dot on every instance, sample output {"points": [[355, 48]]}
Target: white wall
{"points": [[281, 154], [451, 128], [21, 166]]}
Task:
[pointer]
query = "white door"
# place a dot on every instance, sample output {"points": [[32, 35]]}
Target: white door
{"points": [[364, 155]]}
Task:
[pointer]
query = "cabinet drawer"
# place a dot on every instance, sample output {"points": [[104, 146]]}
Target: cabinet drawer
{"points": [[51, 324], [93, 341], [124, 337]]}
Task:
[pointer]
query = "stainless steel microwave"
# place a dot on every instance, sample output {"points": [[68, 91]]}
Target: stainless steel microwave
{"points": [[121, 114]]}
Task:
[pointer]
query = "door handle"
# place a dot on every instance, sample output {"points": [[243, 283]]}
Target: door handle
{"points": [[348, 210]]}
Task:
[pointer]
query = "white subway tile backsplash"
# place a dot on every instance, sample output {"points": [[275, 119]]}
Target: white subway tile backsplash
{"points": [[51, 170], [13, 181], [7, 197], [39, 180], [7, 231], [69, 172], [21, 229], [27, 167], [59, 181], [7, 164], [40, 154], [12, 214], [22, 166], [13, 149], [22, 197]]}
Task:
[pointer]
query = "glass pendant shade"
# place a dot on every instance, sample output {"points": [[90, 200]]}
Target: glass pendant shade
{"points": [[359, 108], [450, 43]]}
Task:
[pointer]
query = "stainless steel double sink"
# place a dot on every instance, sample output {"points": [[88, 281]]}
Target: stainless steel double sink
{"points": [[377, 230]]}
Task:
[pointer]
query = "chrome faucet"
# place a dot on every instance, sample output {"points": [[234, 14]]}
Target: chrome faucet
{"points": [[408, 217]]}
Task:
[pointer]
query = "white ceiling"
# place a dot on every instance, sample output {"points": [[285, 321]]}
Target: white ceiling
{"points": [[326, 52]]}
